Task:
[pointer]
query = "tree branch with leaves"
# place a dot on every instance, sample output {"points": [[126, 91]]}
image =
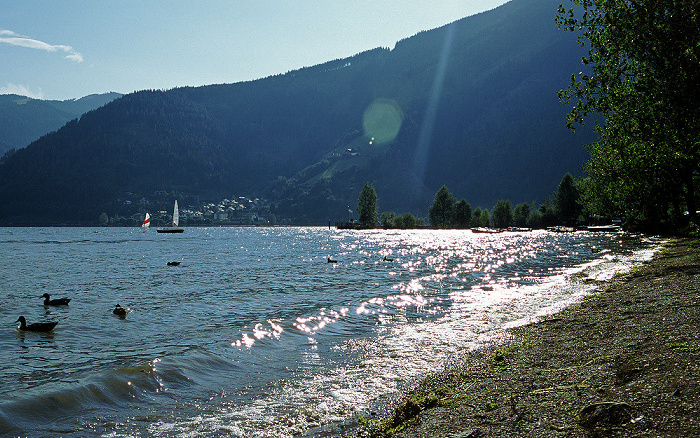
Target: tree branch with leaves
{"points": [[641, 74]]}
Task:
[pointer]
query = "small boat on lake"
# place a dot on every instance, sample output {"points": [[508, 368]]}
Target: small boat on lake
{"points": [[604, 228], [146, 222], [174, 226], [561, 229], [486, 230]]}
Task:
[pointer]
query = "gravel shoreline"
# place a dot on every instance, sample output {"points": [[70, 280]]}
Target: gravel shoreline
{"points": [[623, 363]]}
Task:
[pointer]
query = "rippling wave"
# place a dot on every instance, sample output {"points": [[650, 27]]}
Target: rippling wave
{"points": [[254, 333]]}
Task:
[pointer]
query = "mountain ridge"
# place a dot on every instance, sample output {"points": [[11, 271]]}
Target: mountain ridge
{"points": [[24, 119], [489, 127]]}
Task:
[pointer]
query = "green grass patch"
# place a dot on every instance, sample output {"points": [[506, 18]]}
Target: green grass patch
{"points": [[689, 348], [488, 407], [503, 356]]}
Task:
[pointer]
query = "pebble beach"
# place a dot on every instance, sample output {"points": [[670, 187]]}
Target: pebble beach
{"points": [[624, 362]]}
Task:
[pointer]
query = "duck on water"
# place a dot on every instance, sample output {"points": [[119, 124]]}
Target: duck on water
{"points": [[120, 311], [57, 302], [35, 327]]}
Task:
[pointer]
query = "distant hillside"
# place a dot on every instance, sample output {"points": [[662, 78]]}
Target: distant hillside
{"points": [[23, 119], [472, 105]]}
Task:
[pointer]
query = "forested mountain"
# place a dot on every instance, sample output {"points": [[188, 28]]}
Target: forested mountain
{"points": [[23, 119], [472, 105]]}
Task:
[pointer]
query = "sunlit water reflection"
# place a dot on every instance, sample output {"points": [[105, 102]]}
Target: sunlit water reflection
{"points": [[255, 334]]}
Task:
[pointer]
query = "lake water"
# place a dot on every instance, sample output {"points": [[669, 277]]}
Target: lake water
{"points": [[255, 334]]}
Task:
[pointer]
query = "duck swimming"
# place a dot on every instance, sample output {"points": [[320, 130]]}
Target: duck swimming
{"points": [[57, 302], [120, 311], [35, 327], [173, 263]]}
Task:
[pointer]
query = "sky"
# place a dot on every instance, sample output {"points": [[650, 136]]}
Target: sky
{"points": [[67, 49]]}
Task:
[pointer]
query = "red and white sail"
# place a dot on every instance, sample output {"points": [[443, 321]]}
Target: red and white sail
{"points": [[147, 221]]}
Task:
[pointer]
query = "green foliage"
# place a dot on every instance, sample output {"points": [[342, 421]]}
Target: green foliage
{"points": [[104, 219], [491, 406], [367, 206], [388, 219], [502, 214], [688, 348], [476, 216], [480, 218], [462, 214], [521, 215], [403, 221], [446, 212], [485, 218], [503, 356], [548, 212], [536, 219], [567, 205], [440, 213], [407, 220], [644, 67]]}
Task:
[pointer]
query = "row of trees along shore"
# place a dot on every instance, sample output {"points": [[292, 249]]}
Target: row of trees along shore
{"points": [[561, 208]]}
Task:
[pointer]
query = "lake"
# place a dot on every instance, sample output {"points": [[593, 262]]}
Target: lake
{"points": [[254, 333]]}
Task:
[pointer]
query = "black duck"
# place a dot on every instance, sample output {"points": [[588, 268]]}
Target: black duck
{"points": [[57, 302], [35, 327]]}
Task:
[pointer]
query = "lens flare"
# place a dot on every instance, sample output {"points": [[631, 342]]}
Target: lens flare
{"points": [[382, 120]]}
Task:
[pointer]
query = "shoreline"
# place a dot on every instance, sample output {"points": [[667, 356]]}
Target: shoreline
{"points": [[624, 362]]}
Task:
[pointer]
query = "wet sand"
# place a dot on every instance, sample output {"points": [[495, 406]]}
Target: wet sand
{"points": [[623, 363]]}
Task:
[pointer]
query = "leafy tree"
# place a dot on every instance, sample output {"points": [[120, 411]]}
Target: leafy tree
{"points": [[367, 205], [481, 218], [462, 214], [536, 220], [104, 219], [644, 67], [521, 215], [388, 219], [476, 216], [485, 220], [567, 200], [440, 213], [502, 214], [407, 220], [548, 214]]}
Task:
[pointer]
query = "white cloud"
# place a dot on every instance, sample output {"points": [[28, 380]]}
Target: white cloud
{"points": [[9, 37], [21, 90]]}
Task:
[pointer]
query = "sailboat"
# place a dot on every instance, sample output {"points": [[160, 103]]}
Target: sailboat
{"points": [[146, 222], [173, 228]]}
